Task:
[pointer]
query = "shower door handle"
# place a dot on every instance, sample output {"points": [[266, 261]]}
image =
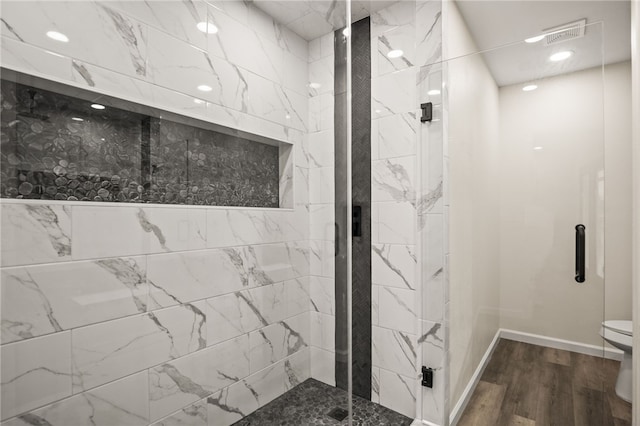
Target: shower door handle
{"points": [[580, 251]]}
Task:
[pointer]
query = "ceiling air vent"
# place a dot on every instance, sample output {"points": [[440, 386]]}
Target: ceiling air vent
{"points": [[565, 32]]}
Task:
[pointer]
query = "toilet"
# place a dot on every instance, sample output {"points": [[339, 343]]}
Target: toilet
{"points": [[618, 334]]}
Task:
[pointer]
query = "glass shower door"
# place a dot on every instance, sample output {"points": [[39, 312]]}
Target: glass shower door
{"points": [[522, 136]]}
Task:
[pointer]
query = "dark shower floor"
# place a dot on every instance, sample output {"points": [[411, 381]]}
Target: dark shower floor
{"points": [[309, 402]]}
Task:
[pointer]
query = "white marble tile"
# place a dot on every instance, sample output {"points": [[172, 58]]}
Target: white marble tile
{"points": [[375, 385], [322, 258], [239, 400], [286, 176], [327, 44], [238, 313], [321, 75], [302, 152], [120, 85], [176, 278], [375, 136], [323, 297], [139, 231], [275, 342], [321, 149], [31, 380], [297, 296], [236, 9], [302, 188], [193, 415], [433, 269], [166, 67], [34, 60], [399, 38], [229, 227], [393, 93], [314, 50], [323, 365], [394, 179], [393, 265], [186, 380], [35, 233], [296, 73], [312, 24], [327, 106], [176, 18], [396, 223], [272, 263], [428, 32], [398, 14], [297, 368], [110, 350], [241, 45], [48, 298], [397, 309], [323, 330], [433, 355], [123, 403], [375, 304], [121, 43], [398, 393], [321, 222], [397, 135], [321, 185], [315, 114], [275, 103], [394, 351]]}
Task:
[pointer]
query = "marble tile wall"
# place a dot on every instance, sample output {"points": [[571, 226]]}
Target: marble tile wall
{"points": [[394, 139], [408, 215], [319, 145], [164, 315]]}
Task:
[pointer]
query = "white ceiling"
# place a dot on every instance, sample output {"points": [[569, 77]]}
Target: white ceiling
{"points": [[496, 23], [311, 19]]}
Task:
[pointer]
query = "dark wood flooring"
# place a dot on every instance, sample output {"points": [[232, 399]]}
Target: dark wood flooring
{"points": [[531, 385]]}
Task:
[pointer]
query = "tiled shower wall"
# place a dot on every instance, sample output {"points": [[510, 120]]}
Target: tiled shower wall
{"points": [[319, 150], [144, 314], [408, 211]]}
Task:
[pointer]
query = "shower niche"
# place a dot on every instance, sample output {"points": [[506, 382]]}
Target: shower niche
{"points": [[64, 143]]}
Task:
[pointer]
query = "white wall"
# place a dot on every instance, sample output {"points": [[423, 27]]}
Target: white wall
{"points": [[545, 192], [105, 321], [473, 228]]}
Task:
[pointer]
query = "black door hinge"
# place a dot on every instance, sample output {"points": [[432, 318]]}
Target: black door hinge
{"points": [[427, 377]]}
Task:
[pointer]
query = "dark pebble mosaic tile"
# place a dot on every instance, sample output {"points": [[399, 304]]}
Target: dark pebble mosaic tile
{"points": [[309, 404], [56, 147]]}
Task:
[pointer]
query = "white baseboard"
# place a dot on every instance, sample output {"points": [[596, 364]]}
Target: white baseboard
{"points": [[418, 422], [457, 411], [534, 339], [567, 345]]}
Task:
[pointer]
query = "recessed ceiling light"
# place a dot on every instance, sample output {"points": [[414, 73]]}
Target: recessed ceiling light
{"points": [[395, 53], [433, 92], [204, 88], [537, 148], [77, 119], [529, 88], [534, 39], [57, 36], [560, 56], [97, 106], [207, 27], [198, 101], [315, 85]]}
